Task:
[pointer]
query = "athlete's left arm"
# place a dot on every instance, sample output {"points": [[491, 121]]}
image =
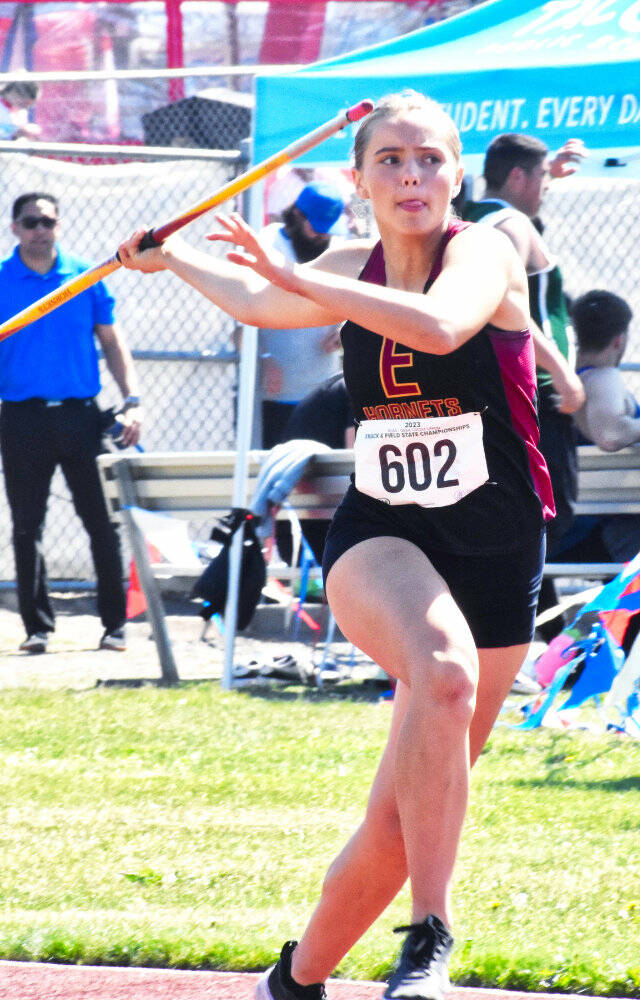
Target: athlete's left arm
{"points": [[482, 280]]}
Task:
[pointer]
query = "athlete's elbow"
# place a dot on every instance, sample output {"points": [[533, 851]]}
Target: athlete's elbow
{"points": [[445, 337], [250, 317], [249, 309], [257, 307]]}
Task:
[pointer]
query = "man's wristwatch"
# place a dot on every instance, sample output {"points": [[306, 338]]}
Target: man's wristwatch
{"points": [[130, 402]]}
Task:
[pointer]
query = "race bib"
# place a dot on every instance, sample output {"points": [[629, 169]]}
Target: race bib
{"points": [[431, 462]]}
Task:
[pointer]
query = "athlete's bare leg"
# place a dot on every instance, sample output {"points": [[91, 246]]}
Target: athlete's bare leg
{"points": [[371, 869], [389, 600], [363, 879], [498, 669]]}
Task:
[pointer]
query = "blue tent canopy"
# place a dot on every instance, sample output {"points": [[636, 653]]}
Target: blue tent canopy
{"points": [[554, 69]]}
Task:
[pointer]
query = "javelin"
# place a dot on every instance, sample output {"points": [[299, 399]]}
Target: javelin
{"points": [[156, 236]]}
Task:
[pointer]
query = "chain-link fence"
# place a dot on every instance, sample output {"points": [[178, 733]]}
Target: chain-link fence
{"points": [[184, 347], [592, 225]]}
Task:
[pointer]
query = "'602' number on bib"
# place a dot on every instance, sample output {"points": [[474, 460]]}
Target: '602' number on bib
{"points": [[416, 466], [432, 462]]}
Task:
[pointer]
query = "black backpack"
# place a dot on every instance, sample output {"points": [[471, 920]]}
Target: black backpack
{"points": [[211, 586]]}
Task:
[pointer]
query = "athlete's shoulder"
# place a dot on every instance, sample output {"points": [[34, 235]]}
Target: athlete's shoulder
{"points": [[347, 258], [475, 238], [482, 250]]}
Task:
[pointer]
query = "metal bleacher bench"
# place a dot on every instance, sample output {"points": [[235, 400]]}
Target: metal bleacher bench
{"points": [[199, 486], [608, 483]]}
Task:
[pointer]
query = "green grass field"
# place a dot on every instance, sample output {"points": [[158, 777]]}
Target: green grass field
{"points": [[192, 827]]}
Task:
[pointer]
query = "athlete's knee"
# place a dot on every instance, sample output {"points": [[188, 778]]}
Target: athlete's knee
{"points": [[447, 679]]}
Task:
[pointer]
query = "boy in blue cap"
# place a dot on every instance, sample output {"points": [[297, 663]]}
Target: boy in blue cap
{"points": [[290, 368]]}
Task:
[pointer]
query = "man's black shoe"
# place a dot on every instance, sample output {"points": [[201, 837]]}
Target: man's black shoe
{"points": [[277, 983], [34, 643], [422, 973]]}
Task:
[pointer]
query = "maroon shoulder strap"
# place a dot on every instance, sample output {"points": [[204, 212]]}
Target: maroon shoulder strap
{"points": [[374, 270], [455, 226]]}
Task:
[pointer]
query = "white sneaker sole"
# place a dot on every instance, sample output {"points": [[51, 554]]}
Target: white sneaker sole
{"points": [[411, 995], [262, 991]]}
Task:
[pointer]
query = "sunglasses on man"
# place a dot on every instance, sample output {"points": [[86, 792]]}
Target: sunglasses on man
{"points": [[31, 221]]}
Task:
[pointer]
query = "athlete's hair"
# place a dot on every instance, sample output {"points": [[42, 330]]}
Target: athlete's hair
{"points": [[512, 149], [20, 202], [396, 104], [598, 318]]}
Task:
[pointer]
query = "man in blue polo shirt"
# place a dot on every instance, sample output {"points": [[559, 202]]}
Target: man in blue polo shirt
{"points": [[49, 378]]}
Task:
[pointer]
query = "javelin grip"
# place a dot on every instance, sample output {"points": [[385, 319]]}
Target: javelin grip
{"points": [[148, 241]]}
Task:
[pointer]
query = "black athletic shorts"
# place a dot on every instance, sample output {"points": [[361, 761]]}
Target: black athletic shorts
{"points": [[497, 593]]}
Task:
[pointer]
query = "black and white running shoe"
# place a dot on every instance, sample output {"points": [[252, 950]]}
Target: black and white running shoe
{"points": [[277, 983], [421, 972]]}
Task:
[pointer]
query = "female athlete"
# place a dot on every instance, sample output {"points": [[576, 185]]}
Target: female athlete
{"points": [[434, 558]]}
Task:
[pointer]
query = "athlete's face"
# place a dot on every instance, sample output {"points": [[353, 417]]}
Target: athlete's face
{"points": [[409, 172]]}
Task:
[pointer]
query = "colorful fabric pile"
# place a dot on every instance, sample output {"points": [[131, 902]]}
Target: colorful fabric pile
{"points": [[590, 654]]}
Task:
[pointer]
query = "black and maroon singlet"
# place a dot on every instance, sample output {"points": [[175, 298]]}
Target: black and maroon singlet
{"points": [[493, 373]]}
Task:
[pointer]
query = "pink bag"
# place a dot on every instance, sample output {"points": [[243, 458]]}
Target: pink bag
{"points": [[559, 651]]}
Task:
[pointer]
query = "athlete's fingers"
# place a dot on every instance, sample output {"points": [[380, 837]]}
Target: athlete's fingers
{"points": [[245, 260], [228, 232], [226, 221], [221, 238], [240, 222], [244, 232], [236, 231], [129, 248]]}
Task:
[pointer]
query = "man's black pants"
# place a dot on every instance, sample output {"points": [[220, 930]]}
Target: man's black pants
{"points": [[34, 439]]}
